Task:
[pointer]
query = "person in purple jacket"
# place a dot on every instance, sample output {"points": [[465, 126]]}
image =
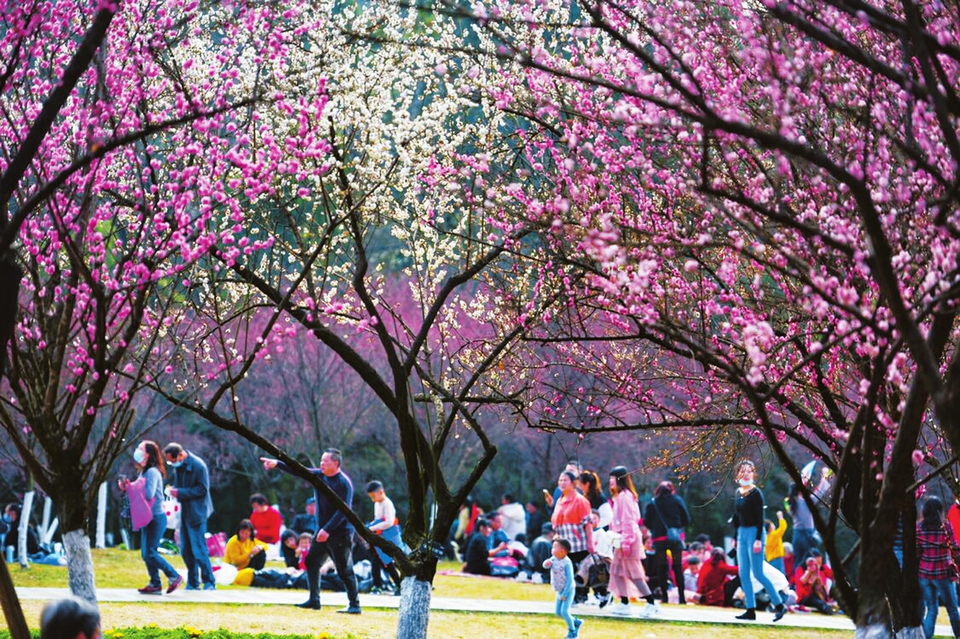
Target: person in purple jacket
{"points": [[334, 535]]}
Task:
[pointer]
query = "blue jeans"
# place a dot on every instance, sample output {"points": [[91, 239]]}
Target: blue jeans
{"points": [[563, 611], [149, 540], [752, 562], [946, 591], [193, 548]]}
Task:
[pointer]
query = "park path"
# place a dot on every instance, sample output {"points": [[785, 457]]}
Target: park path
{"points": [[689, 613]]}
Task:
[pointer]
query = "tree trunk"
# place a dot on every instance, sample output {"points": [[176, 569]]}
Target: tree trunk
{"points": [[102, 516], [24, 523], [11, 605], [76, 543], [881, 631], [414, 611]]}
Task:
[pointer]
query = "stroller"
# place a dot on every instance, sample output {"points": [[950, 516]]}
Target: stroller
{"points": [[593, 572]]}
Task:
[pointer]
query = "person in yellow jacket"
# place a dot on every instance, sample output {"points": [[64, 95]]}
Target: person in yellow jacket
{"points": [[243, 550], [774, 553]]}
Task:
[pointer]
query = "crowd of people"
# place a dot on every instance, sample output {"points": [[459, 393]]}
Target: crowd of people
{"points": [[622, 552], [580, 540], [318, 548]]}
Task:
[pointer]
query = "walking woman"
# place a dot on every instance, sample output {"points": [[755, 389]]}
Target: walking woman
{"points": [[572, 521], [627, 577], [751, 537], [938, 573], [146, 509], [665, 511]]}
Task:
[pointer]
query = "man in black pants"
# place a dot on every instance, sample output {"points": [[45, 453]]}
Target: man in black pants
{"points": [[665, 511], [334, 533]]}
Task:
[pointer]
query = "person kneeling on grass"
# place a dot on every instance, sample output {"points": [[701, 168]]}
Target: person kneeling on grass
{"points": [[561, 578]]}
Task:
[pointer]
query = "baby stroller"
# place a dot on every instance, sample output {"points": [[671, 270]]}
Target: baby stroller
{"points": [[594, 572]]}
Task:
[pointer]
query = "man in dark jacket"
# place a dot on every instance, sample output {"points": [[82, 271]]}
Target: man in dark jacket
{"points": [[191, 487], [334, 533], [306, 522], [667, 510]]}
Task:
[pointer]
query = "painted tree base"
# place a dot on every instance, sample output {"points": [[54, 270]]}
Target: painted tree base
{"points": [[414, 609], [76, 544], [880, 631]]}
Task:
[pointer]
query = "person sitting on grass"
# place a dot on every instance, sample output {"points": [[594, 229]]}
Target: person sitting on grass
{"points": [[532, 567], [714, 583], [266, 519], [810, 579], [477, 557], [243, 551], [561, 578], [289, 546]]}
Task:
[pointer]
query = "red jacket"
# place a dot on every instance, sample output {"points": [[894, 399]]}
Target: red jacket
{"points": [[267, 524], [805, 590], [711, 580]]}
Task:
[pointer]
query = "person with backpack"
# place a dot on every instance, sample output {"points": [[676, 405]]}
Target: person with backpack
{"points": [[666, 516]]}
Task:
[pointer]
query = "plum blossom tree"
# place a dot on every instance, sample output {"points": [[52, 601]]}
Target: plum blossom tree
{"points": [[115, 149], [764, 199], [374, 257]]}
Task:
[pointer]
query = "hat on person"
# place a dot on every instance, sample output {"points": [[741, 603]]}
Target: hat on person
{"points": [[312, 500], [546, 528]]}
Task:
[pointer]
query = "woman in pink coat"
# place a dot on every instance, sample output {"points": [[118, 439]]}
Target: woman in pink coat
{"points": [[627, 577]]}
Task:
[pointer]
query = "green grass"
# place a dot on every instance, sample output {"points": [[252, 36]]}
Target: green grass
{"points": [[382, 624], [124, 569]]}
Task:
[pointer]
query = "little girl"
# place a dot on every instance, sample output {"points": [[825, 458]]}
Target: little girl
{"points": [[561, 578]]}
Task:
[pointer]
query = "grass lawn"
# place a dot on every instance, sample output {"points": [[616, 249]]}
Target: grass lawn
{"points": [[120, 569]]}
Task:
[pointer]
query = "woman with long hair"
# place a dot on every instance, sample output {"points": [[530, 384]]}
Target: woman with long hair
{"points": [[938, 573], [589, 484], [751, 537], [146, 496], [627, 576]]}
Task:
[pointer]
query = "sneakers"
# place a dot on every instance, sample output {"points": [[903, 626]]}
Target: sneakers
{"points": [[606, 600], [150, 589], [650, 610], [350, 610], [576, 624], [209, 586], [537, 578], [174, 584], [376, 591], [621, 609], [521, 577], [779, 612]]}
